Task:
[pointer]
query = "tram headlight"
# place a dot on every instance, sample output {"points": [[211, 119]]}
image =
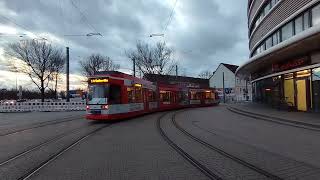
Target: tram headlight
{"points": [[105, 107], [88, 107]]}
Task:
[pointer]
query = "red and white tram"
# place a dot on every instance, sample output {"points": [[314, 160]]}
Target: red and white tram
{"points": [[115, 95]]}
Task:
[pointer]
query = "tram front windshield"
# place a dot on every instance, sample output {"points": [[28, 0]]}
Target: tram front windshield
{"points": [[98, 94]]}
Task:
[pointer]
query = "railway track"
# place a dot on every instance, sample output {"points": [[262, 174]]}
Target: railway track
{"points": [[29, 173], [291, 123], [222, 152], [210, 174], [37, 125], [32, 148]]}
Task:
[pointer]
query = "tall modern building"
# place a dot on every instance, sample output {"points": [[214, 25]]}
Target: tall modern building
{"points": [[284, 43]]}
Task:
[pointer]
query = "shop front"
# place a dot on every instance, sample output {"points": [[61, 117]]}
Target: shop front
{"points": [[294, 84]]}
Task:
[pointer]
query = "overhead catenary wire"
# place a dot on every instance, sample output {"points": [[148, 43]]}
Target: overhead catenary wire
{"points": [[170, 17], [18, 25], [83, 16]]}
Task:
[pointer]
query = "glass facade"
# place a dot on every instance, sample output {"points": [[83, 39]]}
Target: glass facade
{"points": [[268, 5], [302, 22], [286, 31], [316, 89], [298, 25], [315, 15], [298, 90]]}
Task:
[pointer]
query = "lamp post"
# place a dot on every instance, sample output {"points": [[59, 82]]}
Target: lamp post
{"points": [[67, 61], [156, 34]]}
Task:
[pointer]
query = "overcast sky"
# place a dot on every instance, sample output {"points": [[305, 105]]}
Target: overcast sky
{"points": [[203, 33]]}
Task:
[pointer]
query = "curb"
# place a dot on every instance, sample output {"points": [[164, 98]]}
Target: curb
{"points": [[275, 119]]}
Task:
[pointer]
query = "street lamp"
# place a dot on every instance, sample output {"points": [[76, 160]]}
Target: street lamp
{"points": [[94, 34], [88, 34], [157, 34], [67, 60], [5, 34]]}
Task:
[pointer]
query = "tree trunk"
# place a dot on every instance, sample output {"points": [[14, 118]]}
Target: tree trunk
{"points": [[56, 86], [42, 91]]}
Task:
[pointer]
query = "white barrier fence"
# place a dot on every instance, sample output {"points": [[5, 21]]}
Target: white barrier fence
{"points": [[42, 106]]}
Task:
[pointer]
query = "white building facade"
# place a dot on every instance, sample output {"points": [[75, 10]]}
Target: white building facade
{"points": [[243, 90], [226, 83]]}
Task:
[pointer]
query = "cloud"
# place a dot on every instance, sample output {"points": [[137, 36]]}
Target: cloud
{"points": [[203, 33]]}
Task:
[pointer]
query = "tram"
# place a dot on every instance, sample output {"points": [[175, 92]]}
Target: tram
{"points": [[114, 95]]}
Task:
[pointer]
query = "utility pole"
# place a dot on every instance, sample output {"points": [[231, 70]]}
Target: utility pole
{"points": [[134, 67], [177, 71], [67, 72], [224, 93]]}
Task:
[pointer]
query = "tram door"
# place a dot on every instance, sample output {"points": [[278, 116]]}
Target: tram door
{"points": [[146, 99]]}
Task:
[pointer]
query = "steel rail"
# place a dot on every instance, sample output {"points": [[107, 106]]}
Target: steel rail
{"points": [[222, 152], [184, 154]]}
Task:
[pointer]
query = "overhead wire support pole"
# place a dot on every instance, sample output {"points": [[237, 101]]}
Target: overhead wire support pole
{"points": [[176, 71], [134, 67], [67, 72], [224, 92]]}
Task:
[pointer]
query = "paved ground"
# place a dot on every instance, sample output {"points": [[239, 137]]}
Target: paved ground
{"points": [[266, 110], [134, 149]]}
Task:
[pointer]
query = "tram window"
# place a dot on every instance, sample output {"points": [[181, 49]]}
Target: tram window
{"points": [[151, 96], [165, 96], [131, 96], [115, 94], [138, 94], [195, 95], [209, 95]]}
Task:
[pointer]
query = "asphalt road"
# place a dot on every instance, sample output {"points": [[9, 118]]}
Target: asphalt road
{"points": [[212, 143]]}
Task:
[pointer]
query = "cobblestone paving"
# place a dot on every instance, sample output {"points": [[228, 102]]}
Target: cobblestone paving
{"points": [[134, 149], [223, 166], [128, 150], [274, 162]]}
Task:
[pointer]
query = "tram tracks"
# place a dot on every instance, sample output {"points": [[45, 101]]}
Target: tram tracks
{"points": [[61, 152], [209, 173], [292, 123], [15, 130], [48, 151], [51, 140]]}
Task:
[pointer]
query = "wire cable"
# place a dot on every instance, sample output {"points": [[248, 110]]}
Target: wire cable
{"points": [[170, 17], [83, 16]]}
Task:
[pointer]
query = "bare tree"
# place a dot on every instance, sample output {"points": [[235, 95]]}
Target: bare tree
{"points": [[152, 60], [206, 74], [95, 63], [59, 61], [36, 59]]}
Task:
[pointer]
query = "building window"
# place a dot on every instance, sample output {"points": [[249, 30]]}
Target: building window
{"points": [[316, 89], [306, 20], [267, 8], [286, 31], [264, 11], [275, 38], [273, 2], [316, 15], [298, 25], [269, 43]]}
